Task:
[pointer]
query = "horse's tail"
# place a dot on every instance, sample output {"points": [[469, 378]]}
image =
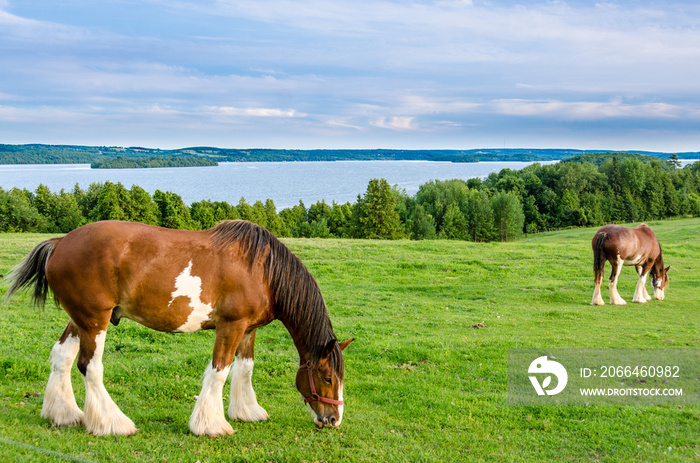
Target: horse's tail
{"points": [[32, 272], [599, 257]]}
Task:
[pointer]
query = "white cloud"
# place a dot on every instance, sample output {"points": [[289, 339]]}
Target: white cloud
{"points": [[589, 110], [342, 123], [253, 112], [395, 123]]}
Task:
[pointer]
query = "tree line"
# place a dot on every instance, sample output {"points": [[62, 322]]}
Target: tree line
{"points": [[151, 162], [499, 208]]}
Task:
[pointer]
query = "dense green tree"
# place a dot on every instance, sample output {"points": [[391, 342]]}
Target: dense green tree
{"points": [[258, 214], [224, 211], [66, 214], [508, 216], [375, 213], [142, 208], [109, 203], [592, 205], [340, 219], [295, 218], [422, 224], [273, 221], [245, 210], [509, 181], [454, 224], [319, 210], [694, 202], [172, 211], [319, 229], [202, 214], [673, 161], [18, 214], [437, 195], [480, 225], [571, 214]]}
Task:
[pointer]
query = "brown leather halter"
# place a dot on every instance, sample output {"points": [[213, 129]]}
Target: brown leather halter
{"points": [[314, 396]]}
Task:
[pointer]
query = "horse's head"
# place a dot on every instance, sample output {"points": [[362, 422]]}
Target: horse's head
{"points": [[659, 280], [321, 385]]}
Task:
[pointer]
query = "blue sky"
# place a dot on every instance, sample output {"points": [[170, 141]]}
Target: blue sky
{"points": [[452, 74]]}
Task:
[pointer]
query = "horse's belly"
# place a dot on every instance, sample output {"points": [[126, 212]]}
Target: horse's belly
{"points": [[177, 317], [633, 260]]}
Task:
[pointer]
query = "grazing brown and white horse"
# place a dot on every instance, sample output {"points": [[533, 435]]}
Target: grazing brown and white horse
{"points": [[628, 246], [232, 278]]}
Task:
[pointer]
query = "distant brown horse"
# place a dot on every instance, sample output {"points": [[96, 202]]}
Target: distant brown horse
{"points": [[233, 278], [628, 246]]}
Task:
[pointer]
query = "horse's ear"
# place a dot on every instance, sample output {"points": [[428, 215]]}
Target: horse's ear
{"points": [[329, 348], [345, 344], [668, 268]]}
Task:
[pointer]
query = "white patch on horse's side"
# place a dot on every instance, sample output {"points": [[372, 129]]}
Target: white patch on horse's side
{"points": [[102, 415], [634, 260], [59, 400], [190, 286], [208, 414], [244, 404]]}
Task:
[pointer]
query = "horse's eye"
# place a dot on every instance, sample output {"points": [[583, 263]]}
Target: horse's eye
{"points": [[327, 380]]}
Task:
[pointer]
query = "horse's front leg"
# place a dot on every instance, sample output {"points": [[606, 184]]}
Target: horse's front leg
{"points": [[640, 292], [244, 404], [614, 294], [208, 415]]}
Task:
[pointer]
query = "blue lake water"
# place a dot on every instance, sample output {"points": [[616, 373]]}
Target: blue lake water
{"points": [[284, 182]]}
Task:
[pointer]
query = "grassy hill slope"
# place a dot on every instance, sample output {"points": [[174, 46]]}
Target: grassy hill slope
{"points": [[421, 383]]}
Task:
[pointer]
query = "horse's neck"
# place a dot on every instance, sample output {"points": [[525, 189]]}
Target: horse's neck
{"points": [[301, 338], [659, 263], [299, 343]]}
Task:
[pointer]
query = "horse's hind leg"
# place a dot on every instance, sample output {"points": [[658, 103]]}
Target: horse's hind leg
{"points": [[59, 400], [244, 404], [614, 294], [102, 415], [597, 297]]}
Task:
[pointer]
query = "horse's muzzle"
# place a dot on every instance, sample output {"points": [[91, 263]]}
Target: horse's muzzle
{"points": [[327, 422]]}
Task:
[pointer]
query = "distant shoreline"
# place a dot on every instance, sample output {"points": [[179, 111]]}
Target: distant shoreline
{"points": [[77, 154]]}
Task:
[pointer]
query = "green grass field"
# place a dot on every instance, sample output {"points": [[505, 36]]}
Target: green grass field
{"points": [[421, 383]]}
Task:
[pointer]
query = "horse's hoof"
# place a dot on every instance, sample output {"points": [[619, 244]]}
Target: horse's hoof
{"points": [[249, 414], [213, 430]]}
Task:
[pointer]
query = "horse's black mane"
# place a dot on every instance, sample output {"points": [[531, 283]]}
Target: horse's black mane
{"points": [[297, 297]]}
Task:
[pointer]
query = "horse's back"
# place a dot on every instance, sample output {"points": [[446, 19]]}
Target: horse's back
{"points": [[105, 246], [610, 236], [628, 244]]}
